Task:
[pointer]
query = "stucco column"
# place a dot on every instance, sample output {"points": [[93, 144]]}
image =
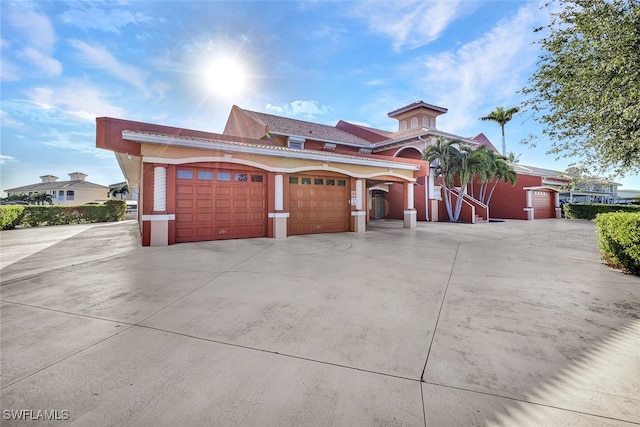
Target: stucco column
{"points": [[410, 214], [159, 222], [279, 217], [529, 208], [359, 214], [557, 203]]}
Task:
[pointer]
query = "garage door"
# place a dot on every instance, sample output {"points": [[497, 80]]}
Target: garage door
{"points": [[543, 204], [214, 204], [318, 204]]}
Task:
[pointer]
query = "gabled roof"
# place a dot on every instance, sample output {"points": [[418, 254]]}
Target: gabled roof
{"points": [[59, 185], [482, 139], [278, 125]]}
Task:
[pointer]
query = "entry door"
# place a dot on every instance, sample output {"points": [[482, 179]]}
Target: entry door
{"points": [[378, 205]]}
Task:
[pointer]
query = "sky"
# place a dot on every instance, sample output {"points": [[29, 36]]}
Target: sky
{"points": [[185, 63]]}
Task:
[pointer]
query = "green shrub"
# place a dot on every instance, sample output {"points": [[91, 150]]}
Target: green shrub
{"points": [[619, 239], [590, 211], [10, 216], [113, 210]]}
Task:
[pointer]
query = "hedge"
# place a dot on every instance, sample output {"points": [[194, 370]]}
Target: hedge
{"points": [[619, 239], [10, 216], [33, 215], [590, 211]]}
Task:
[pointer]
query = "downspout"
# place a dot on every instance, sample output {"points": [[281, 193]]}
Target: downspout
{"points": [[427, 183]]}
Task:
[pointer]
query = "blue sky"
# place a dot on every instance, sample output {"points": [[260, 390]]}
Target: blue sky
{"points": [[64, 63]]}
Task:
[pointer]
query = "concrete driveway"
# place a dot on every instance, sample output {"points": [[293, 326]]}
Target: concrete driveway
{"points": [[512, 323]]}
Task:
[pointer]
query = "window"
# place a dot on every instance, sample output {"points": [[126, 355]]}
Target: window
{"points": [[342, 183], [331, 182], [223, 176], [318, 181], [185, 174], [205, 175], [61, 195], [70, 194], [257, 178], [306, 181], [414, 122], [296, 144], [293, 180], [240, 177], [403, 125]]}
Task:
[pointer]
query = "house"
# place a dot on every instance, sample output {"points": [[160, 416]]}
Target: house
{"points": [[591, 190], [536, 194], [271, 176], [76, 191]]}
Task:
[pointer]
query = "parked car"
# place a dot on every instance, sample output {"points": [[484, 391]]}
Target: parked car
{"points": [[132, 206]]}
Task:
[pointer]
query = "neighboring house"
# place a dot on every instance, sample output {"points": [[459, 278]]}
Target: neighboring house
{"points": [[592, 191], [75, 191]]}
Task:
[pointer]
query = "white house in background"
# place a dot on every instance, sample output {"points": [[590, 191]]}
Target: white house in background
{"points": [[76, 191]]}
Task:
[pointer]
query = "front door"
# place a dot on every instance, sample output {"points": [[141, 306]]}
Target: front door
{"points": [[378, 205]]}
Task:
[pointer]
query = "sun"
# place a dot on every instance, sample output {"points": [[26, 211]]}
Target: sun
{"points": [[226, 77]]}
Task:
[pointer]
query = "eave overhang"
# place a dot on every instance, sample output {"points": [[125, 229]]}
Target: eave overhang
{"points": [[265, 150]]}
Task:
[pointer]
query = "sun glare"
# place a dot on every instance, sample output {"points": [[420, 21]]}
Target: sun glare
{"points": [[226, 77]]}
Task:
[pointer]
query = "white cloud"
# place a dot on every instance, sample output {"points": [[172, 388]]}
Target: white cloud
{"points": [[410, 24], [45, 63], [306, 109], [4, 159], [35, 42], [484, 73], [109, 21], [36, 29], [76, 101], [99, 57]]}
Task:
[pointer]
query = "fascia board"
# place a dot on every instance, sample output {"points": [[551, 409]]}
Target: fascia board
{"points": [[263, 150]]}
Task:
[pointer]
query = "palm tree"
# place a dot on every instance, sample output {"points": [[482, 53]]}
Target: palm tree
{"points": [[504, 172], [457, 163], [41, 198], [124, 190], [443, 155], [502, 117]]}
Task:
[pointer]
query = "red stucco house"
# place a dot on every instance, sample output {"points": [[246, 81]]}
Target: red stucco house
{"points": [[272, 176]]}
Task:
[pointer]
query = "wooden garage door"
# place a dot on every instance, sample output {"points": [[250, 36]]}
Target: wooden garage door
{"points": [[543, 204], [318, 204], [214, 204]]}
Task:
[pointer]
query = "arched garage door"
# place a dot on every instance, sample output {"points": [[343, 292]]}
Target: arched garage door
{"points": [[213, 204], [318, 204], [543, 204]]}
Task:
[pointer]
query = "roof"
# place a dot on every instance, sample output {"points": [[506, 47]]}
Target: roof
{"points": [[536, 171], [482, 139], [286, 126], [272, 150], [417, 104], [58, 185]]}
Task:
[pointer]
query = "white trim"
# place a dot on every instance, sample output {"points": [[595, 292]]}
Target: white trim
{"points": [[406, 147], [540, 188], [168, 217], [323, 167], [267, 150], [279, 192], [358, 213], [278, 214], [411, 212]]}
